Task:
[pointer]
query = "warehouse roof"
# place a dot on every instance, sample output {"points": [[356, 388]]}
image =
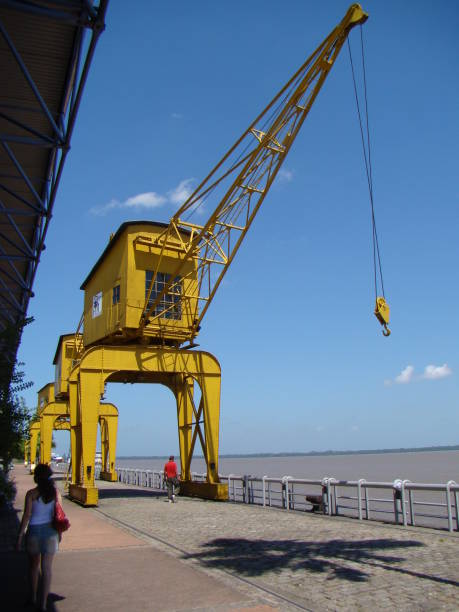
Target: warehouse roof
{"points": [[46, 47]]}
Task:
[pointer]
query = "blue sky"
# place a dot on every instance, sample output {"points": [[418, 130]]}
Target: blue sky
{"points": [[304, 363]]}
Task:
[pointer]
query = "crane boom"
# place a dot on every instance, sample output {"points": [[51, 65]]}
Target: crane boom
{"points": [[238, 184]]}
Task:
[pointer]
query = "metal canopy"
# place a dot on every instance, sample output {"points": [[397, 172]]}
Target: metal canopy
{"points": [[46, 48]]}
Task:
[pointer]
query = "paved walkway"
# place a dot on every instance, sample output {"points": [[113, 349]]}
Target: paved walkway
{"points": [[138, 552], [102, 566]]}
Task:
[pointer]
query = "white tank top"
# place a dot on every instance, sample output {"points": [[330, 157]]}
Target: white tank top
{"points": [[42, 513]]}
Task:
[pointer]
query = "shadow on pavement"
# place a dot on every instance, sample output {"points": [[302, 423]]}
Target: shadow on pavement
{"points": [[255, 557], [107, 493]]}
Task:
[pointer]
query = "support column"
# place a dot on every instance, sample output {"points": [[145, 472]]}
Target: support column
{"points": [[183, 393], [86, 492], [111, 429], [210, 389], [34, 430], [46, 437], [103, 443], [75, 434]]}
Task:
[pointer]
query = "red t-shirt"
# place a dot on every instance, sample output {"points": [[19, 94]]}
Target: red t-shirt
{"points": [[170, 469]]}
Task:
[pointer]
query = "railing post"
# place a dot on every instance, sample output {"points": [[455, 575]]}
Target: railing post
{"points": [[404, 482], [335, 497], [367, 504], [285, 491], [244, 489], [411, 500], [397, 493], [326, 484], [359, 497], [448, 504], [264, 490]]}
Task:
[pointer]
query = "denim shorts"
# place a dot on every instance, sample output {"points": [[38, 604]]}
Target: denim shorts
{"points": [[42, 539]]}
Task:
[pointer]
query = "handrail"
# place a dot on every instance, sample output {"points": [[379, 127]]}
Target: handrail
{"points": [[288, 492]]}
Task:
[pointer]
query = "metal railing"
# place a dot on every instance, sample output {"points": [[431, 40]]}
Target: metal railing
{"points": [[397, 502]]}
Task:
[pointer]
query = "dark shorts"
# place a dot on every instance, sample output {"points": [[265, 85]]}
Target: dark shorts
{"points": [[42, 539]]}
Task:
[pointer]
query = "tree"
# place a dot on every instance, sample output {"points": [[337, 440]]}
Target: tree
{"points": [[14, 416]]}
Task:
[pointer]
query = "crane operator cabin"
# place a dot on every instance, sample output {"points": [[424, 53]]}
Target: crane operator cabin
{"points": [[130, 277]]}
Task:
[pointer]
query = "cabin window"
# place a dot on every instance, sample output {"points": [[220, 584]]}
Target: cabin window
{"points": [[170, 306], [116, 295]]}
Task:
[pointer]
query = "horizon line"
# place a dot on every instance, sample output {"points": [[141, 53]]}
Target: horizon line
{"points": [[312, 453]]}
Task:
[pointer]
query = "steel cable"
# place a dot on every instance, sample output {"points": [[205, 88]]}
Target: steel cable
{"points": [[377, 267]]}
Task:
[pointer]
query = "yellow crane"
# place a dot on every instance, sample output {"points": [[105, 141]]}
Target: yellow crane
{"points": [[238, 184], [147, 294]]}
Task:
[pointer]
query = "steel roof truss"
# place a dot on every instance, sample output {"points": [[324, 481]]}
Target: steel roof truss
{"points": [[38, 108], [24, 175]]}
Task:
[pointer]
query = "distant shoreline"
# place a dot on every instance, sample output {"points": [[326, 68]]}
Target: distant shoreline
{"points": [[381, 451]]}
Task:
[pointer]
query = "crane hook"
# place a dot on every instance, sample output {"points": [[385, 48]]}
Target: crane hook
{"points": [[382, 312]]}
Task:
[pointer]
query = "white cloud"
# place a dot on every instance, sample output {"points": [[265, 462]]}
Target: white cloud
{"points": [[432, 372], [285, 175], [181, 193], [105, 208], [148, 199], [405, 375]]}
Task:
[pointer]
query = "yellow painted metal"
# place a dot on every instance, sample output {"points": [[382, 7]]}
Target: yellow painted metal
{"points": [[382, 313], [133, 328], [45, 395], [179, 370], [237, 186], [116, 286], [55, 415], [206, 490], [84, 495], [67, 351], [34, 432], [108, 421], [49, 412]]}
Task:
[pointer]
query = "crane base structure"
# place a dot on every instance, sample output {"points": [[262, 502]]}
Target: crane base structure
{"points": [[55, 417], [194, 377]]}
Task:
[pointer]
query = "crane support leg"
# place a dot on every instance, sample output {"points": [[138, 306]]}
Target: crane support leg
{"points": [[49, 421], [108, 435], [84, 490], [46, 437], [179, 369], [75, 437], [34, 431], [184, 391]]}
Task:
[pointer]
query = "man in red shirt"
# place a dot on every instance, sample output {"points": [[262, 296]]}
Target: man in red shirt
{"points": [[171, 476]]}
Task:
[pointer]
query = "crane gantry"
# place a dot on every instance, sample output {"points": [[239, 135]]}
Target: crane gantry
{"points": [[146, 296]]}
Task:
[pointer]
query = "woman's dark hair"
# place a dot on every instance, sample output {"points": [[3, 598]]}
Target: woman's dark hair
{"points": [[42, 476]]}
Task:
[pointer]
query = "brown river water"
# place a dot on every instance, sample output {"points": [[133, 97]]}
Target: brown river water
{"points": [[419, 467]]}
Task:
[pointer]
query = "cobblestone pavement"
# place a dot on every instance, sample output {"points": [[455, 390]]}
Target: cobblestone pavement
{"points": [[298, 560]]}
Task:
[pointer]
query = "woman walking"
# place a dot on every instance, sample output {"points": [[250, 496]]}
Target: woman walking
{"points": [[42, 540]]}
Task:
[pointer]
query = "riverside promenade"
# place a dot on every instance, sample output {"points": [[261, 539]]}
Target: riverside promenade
{"points": [[138, 552]]}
